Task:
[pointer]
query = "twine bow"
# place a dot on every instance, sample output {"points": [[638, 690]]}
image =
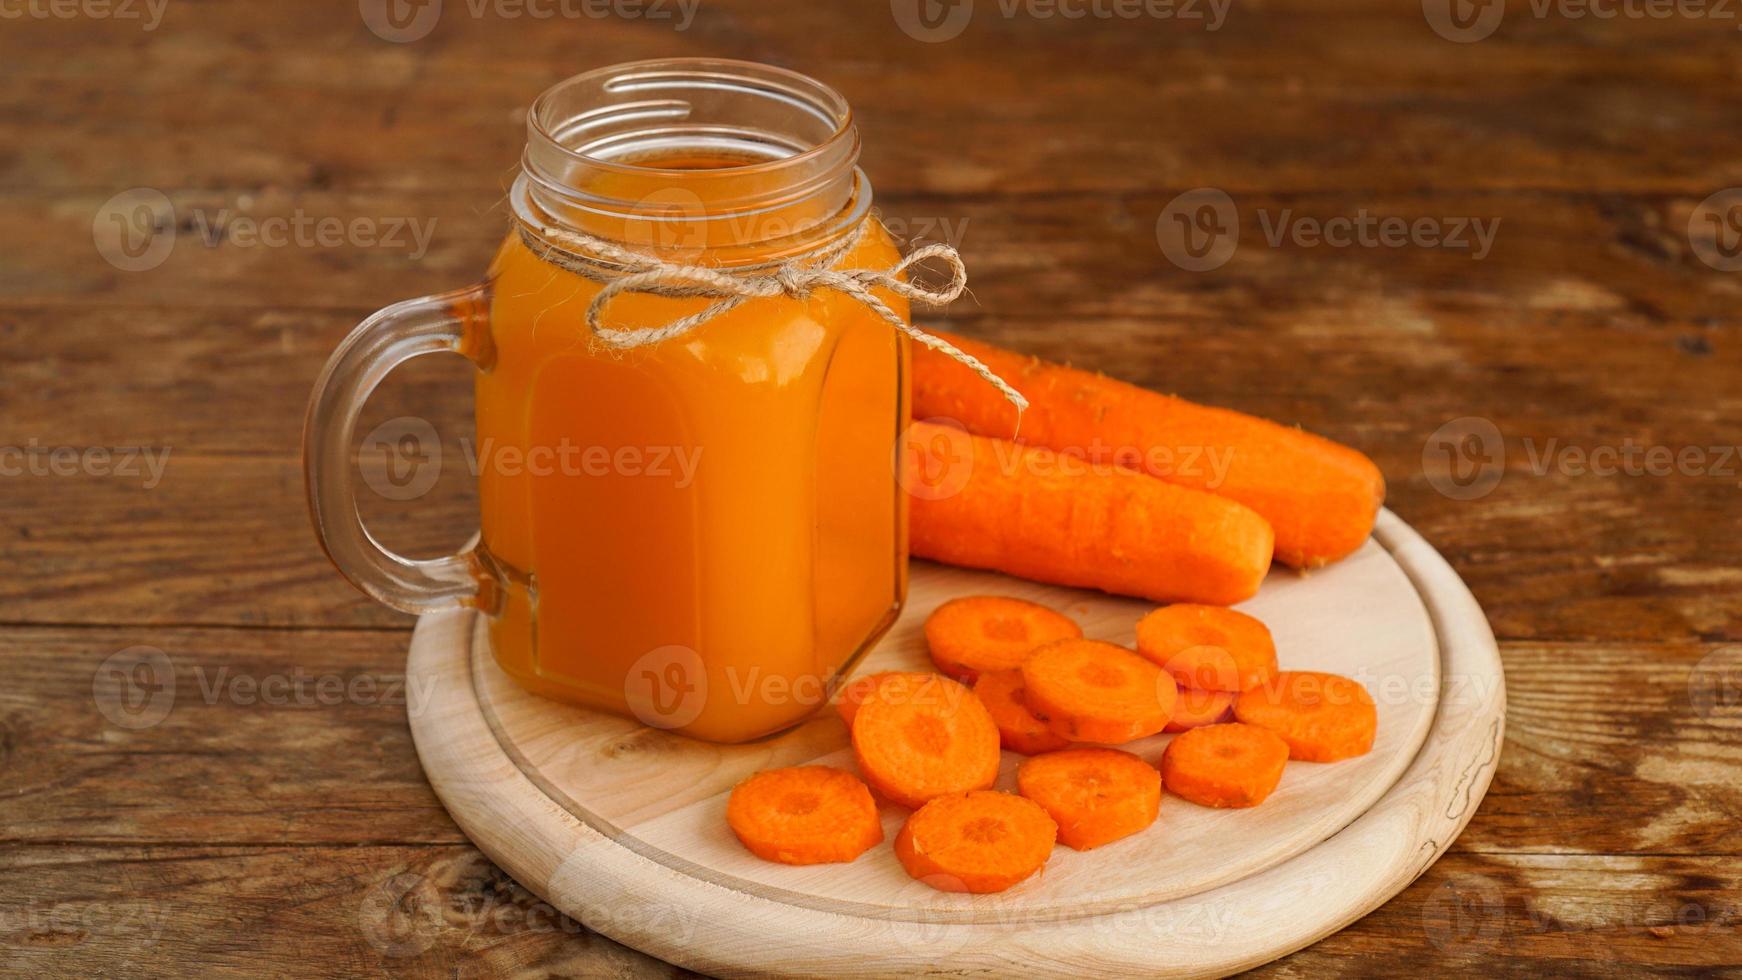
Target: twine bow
{"points": [[643, 273]]}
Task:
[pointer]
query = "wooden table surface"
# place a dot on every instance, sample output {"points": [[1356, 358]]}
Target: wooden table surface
{"points": [[207, 766]]}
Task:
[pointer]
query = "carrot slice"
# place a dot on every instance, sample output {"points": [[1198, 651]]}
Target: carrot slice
{"points": [[1195, 708], [804, 815], [855, 693], [1089, 691], [1095, 795], [1019, 729], [1211, 648], [1231, 765], [976, 842], [1322, 717], [980, 633], [913, 744], [1320, 496]]}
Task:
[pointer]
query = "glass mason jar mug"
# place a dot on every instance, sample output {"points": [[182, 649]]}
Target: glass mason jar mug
{"points": [[689, 505]]}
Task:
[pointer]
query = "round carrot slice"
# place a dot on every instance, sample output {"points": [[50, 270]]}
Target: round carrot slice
{"points": [[1089, 691], [1096, 796], [804, 815], [855, 693], [1019, 730], [976, 842], [981, 633], [913, 744], [1195, 708], [1322, 717], [1229, 765], [1211, 648]]}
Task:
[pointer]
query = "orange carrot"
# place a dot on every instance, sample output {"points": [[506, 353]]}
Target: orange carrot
{"points": [[1224, 765], [1089, 691], [1322, 717], [1019, 730], [1096, 796], [855, 693], [1196, 708], [1320, 496], [976, 842], [978, 633], [804, 815], [984, 503], [1208, 647], [913, 744]]}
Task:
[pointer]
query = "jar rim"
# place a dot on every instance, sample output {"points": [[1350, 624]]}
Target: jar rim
{"points": [[619, 77]]}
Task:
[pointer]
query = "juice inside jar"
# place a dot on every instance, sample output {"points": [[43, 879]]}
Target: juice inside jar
{"points": [[704, 532]]}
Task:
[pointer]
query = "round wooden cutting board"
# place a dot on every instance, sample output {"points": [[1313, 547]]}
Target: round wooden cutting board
{"points": [[623, 826]]}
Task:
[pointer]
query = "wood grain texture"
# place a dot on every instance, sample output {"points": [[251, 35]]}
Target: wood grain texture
{"points": [[1609, 834]]}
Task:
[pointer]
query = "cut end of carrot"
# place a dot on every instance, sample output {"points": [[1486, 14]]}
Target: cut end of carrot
{"points": [[916, 743], [1322, 717], [1231, 765], [1089, 691], [1211, 648], [1019, 729], [979, 842], [975, 634], [1196, 708], [804, 815], [1096, 796]]}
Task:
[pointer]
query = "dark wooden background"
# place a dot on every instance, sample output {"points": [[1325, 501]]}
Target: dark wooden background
{"points": [[240, 836]]}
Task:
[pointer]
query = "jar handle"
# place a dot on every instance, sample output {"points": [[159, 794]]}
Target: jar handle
{"points": [[385, 340]]}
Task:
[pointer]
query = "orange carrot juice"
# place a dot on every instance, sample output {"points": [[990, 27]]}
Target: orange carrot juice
{"points": [[703, 532]]}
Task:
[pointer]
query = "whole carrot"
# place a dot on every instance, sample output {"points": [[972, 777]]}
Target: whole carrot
{"points": [[986, 503], [1320, 496]]}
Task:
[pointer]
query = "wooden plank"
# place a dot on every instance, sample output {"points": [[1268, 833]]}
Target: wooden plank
{"points": [[1291, 96], [1517, 258], [1606, 750], [444, 910]]}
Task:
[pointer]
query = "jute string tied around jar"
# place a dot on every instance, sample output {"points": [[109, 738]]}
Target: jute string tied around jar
{"points": [[639, 272]]}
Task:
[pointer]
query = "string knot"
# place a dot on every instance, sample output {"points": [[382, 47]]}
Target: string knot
{"points": [[639, 272]]}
